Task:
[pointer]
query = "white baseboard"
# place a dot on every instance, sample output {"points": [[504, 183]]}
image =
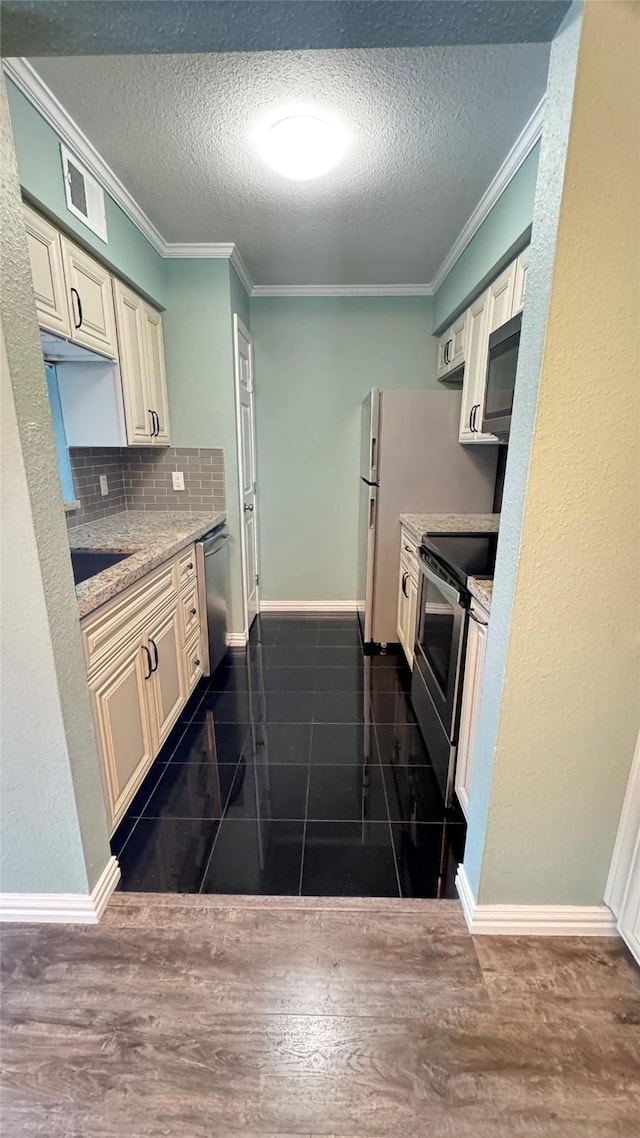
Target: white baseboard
{"points": [[309, 606], [237, 639], [62, 908], [533, 920]]}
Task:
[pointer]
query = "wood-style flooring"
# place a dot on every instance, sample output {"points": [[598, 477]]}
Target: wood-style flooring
{"points": [[211, 1017]]}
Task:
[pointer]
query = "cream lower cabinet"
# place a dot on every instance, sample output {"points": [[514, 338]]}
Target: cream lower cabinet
{"points": [[146, 667], [473, 676], [408, 595], [119, 700], [167, 682]]}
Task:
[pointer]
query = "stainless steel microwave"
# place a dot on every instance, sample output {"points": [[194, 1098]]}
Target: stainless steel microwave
{"points": [[501, 378]]}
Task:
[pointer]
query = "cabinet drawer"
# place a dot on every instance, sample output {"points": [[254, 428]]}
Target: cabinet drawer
{"points": [[186, 566], [189, 612], [193, 662], [107, 629]]}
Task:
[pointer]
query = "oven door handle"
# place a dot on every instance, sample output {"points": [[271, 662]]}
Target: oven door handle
{"points": [[449, 592]]}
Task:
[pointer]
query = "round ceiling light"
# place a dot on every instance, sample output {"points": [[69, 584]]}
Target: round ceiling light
{"points": [[302, 145]]}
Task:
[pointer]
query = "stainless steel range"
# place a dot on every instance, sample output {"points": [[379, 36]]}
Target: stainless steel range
{"points": [[446, 562]]}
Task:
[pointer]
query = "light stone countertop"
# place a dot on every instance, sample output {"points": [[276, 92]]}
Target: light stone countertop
{"points": [[417, 524], [482, 589], [155, 536]]}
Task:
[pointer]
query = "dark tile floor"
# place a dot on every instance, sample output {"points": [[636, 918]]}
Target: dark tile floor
{"points": [[298, 768]]}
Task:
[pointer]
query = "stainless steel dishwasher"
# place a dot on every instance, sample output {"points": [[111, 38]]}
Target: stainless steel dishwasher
{"points": [[212, 563]]}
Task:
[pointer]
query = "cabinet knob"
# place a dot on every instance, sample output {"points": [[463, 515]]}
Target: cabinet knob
{"points": [[190, 565], [196, 663], [193, 612]]}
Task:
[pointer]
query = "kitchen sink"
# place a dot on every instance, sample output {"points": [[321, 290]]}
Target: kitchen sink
{"points": [[87, 562]]}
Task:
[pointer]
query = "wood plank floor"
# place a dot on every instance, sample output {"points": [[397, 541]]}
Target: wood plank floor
{"points": [[204, 1017]]}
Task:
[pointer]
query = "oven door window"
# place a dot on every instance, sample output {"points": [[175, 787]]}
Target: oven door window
{"points": [[437, 627], [501, 377]]}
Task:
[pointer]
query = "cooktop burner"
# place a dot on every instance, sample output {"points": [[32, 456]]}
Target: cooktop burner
{"points": [[464, 554]]}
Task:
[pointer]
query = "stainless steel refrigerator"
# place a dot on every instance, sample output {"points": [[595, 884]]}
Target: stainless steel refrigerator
{"points": [[411, 462]]}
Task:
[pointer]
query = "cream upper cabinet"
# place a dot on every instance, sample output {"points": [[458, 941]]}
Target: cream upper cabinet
{"points": [[156, 375], [452, 347], [144, 385], [499, 303], [90, 300], [131, 349], [473, 676], [520, 286], [123, 728], [475, 373], [501, 293], [45, 256]]}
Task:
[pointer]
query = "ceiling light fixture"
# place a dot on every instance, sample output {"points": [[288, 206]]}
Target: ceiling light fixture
{"points": [[302, 144]]}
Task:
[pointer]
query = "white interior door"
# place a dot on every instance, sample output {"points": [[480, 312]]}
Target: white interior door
{"points": [[622, 894], [245, 413]]}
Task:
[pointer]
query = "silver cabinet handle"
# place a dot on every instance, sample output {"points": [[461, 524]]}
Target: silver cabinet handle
{"points": [[248, 509]]}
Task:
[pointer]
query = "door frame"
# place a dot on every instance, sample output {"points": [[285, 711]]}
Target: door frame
{"points": [[238, 326], [625, 861]]}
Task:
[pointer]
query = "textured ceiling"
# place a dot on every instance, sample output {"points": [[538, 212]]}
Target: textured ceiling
{"points": [[129, 27], [430, 128]]}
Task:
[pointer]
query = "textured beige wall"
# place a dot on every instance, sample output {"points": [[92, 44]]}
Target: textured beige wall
{"points": [[570, 700]]}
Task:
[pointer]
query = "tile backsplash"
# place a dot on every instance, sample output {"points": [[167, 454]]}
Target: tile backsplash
{"points": [[139, 478]]}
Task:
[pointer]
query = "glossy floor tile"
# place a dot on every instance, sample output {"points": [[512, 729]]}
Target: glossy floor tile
{"points": [[298, 768]]}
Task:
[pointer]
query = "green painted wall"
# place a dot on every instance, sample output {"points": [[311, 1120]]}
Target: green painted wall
{"points": [[40, 172], [503, 228], [239, 298], [200, 377], [315, 361]]}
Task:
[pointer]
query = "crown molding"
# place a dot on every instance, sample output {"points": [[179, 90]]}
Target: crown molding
{"points": [[223, 249], [343, 290], [241, 270], [522, 147], [29, 82], [32, 86]]}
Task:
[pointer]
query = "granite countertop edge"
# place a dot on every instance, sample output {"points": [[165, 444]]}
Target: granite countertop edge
{"points": [[163, 534], [417, 524], [482, 589]]}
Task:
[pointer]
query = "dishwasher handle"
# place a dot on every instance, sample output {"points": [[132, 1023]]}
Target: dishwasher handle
{"points": [[215, 544]]}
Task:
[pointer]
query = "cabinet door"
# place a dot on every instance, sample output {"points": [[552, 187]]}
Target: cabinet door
{"points": [[501, 298], [412, 616], [168, 686], [520, 285], [473, 673], [131, 349], [90, 300], [119, 701], [458, 335], [475, 369], [193, 663], [45, 256], [403, 609], [156, 376], [444, 354]]}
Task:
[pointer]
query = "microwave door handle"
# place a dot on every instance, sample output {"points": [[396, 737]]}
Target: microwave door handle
{"points": [[449, 592]]}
